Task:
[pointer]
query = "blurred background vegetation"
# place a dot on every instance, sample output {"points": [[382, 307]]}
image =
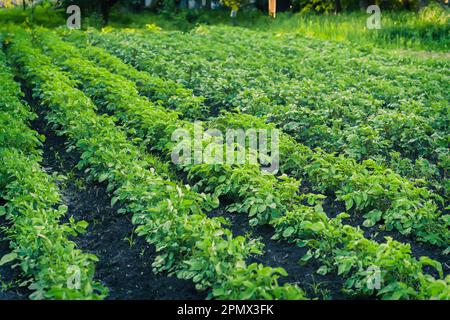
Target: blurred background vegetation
{"points": [[413, 24]]}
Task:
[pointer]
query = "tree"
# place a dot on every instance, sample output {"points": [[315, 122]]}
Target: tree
{"points": [[337, 6], [105, 9], [102, 6]]}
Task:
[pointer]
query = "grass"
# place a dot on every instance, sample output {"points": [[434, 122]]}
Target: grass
{"points": [[428, 29], [399, 29], [42, 16]]}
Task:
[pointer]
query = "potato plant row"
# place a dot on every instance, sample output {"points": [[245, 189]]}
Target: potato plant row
{"points": [[265, 198], [167, 93], [51, 264], [314, 97], [190, 245], [367, 188]]}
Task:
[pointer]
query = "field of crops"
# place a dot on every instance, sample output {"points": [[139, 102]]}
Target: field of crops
{"points": [[92, 205]]}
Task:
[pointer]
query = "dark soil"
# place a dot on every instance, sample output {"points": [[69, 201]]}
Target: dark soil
{"points": [[9, 277], [418, 249], [287, 256], [124, 259]]}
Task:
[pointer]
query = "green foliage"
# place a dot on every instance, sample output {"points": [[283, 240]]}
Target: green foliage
{"points": [[190, 245], [39, 242], [315, 5], [357, 257], [364, 187], [41, 15], [396, 103], [264, 199]]}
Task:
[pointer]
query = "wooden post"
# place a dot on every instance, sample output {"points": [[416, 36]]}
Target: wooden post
{"points": [[272, 8], [233, 15]]}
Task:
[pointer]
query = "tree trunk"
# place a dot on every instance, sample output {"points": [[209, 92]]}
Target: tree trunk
{"points": [[233, 17], [208, 5], [423, 3], [337, 6], [363, 4], [105, 13], [105, 9], [406, 5]]}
